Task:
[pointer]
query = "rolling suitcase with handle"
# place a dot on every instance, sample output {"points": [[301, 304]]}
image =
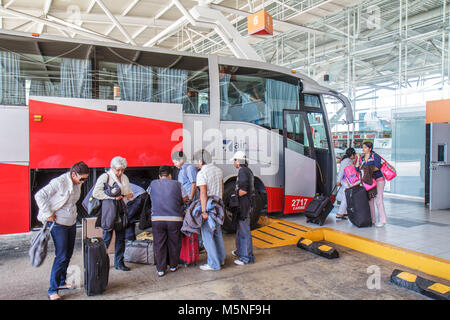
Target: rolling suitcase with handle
{"points": [[320, 207], [189, 250], [96, 264], [358, 206]]}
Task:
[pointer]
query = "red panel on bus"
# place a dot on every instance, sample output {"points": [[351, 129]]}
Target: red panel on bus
{"points": [[66, 135], [274, 199], [295, 204], [14, 199]]}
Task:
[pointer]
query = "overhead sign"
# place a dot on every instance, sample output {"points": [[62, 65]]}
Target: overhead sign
{"points": [[260, 23]]}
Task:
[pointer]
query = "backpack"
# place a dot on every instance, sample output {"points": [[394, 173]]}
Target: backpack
{"points": [[351, 175]]}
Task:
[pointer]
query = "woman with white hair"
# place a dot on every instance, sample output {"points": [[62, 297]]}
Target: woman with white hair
{"points": [[119, 190]]}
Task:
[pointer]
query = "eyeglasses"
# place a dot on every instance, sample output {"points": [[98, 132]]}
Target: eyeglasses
{"points": [[81, 178]]}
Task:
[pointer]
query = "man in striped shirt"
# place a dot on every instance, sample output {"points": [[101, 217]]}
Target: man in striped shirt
{"points": [[210, 183]]}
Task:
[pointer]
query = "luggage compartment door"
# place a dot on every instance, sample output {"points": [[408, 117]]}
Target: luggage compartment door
{"points": [[67, 130], [299, 167]]}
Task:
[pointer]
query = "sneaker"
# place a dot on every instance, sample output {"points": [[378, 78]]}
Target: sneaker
{"points": [[161, 273], [239, 262], [173, 269], [206, 267], [235, 253], [379, 225]]}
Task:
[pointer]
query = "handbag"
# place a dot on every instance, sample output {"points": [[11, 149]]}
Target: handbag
{"points": [[39, 245], [90, 204], [370, 186], [388, 170]]}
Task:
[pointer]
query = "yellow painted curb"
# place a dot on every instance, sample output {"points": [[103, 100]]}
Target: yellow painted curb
{"points": [[412, 259]]}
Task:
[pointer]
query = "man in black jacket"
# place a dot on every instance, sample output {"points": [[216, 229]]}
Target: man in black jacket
{"points": [[244, 189]]}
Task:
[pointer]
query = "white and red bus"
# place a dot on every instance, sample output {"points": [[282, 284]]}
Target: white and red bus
{"points": [[65, 100]]}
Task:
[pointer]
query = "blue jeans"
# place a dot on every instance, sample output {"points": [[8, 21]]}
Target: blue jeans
{"points": [[244, 241], [214, 245], [64, 240], [119, 249]]}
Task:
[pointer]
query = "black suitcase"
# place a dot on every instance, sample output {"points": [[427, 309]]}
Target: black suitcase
{"points": [[320, 207], [96, 264], [358, 206]]}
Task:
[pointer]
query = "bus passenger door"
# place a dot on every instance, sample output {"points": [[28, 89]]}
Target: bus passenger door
{"points": [[299, 167]]}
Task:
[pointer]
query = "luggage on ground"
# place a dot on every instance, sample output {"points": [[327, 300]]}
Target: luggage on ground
{"points": [[96, 232], [320, 207], [358, 206], [139, 251], [96, 264], [145, 236], [189, 249]]}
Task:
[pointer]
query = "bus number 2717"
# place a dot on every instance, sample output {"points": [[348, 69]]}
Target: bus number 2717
{"points": [[299, 203]]}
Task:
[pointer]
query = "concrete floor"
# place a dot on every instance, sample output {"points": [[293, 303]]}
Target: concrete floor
{"points": [[284, 273]]}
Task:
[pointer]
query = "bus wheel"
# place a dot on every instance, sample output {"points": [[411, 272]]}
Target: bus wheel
{"points": [[227, 223]]}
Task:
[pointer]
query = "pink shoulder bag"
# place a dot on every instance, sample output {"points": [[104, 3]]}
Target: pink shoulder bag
{"points": [[388, 170]]}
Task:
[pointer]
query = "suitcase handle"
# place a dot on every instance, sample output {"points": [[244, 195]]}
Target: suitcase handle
{"points": [[335, 190]]}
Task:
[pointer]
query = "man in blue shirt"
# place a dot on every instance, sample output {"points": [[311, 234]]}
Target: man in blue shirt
{"points": [[187, 176]]}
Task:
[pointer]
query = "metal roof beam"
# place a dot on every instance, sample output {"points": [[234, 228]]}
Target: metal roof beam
{"points": [[279, 22], [130, 7], [47, 5], [99, 18], [115, 22], [81, 31], [164, 10]]}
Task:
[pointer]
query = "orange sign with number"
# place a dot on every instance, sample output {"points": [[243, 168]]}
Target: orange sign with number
{"points": [[260, 23]]}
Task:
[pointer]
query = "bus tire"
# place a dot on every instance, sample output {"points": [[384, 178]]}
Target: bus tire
{"points": [[227, 225]]}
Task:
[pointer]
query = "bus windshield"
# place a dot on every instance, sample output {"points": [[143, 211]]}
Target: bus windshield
{"points": [[259, 96]]}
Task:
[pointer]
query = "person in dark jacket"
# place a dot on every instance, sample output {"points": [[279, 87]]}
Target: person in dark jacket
{"points": [[371, 158], [244, 188], [113, 204], [167, 219]]}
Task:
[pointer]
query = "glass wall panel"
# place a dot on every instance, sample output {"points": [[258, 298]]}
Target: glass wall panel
{"points": [[394, 120]]}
